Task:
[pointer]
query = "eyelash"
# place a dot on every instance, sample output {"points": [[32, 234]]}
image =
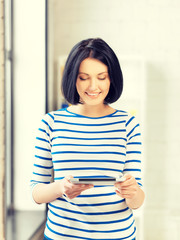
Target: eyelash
{"points": [[82, 78], [87, 78]]}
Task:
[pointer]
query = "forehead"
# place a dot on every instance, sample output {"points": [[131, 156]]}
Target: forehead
{"points": [[92, 65]]}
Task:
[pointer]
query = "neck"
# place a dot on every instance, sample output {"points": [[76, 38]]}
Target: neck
{"points": [[92, 111]]}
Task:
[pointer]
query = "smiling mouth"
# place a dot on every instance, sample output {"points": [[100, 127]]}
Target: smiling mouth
{"points": [[93, 94]]}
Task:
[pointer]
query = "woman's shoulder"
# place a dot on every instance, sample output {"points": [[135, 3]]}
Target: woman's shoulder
{"points": [[128, 116], [52, 114], [123, 113], [49, 117]]}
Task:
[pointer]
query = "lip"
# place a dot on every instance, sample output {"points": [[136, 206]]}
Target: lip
{"points": [[93, 95]]}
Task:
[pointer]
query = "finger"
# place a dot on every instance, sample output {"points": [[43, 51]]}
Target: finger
{"points": [[129, 182], [119, 193], [68, 177], [72, 192], [122, 194], [85, 186], [127, 176], [76, 190]]}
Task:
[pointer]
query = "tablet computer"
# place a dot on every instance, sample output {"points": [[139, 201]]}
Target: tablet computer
{"points": [[97, 181]]}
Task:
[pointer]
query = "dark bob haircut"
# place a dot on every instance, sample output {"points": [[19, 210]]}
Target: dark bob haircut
{"points": [[91, 48]]}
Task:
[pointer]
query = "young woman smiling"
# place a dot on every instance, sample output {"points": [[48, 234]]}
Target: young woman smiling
{"points": [[89, 139]]}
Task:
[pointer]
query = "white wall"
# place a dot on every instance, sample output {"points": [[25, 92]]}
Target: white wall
{"points": [[29, 92], [149, 29]]}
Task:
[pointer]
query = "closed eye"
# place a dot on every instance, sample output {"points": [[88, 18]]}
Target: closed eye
{"points": [[102, 76], [81, 78]]}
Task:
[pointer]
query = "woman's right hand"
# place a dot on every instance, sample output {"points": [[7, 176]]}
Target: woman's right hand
{"points": [[73, 190]]}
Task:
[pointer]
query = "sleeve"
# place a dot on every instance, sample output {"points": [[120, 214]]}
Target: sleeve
{"points": [[42, 168], [133, 150]]}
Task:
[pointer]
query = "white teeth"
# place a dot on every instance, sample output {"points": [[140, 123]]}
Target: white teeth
{"points": [[93, 94]]}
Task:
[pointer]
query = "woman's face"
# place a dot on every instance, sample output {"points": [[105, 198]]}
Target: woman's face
{"points": [[93, 82]]}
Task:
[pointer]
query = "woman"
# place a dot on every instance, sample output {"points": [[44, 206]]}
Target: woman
{"points": [[89, 139]]}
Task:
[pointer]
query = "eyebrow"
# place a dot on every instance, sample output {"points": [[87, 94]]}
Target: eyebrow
{"points": [[88, 74]]}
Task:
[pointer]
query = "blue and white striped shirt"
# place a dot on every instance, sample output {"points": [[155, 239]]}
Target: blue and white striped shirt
{"points": [[72, 144]]}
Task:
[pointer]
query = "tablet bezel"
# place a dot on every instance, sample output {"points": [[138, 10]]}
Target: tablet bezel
{"points": [[97, 181]]}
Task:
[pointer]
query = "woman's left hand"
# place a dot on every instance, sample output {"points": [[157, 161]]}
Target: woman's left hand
{"points": [[127, 189]]}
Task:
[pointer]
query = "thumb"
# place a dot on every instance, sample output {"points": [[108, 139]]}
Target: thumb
{"points": [[127, 176], [68, 177]]}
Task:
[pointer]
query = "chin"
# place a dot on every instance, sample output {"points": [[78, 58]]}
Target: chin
{"points": [[91, 103]]}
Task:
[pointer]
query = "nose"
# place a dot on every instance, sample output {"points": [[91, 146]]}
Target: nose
{"points": [[93, 84]]}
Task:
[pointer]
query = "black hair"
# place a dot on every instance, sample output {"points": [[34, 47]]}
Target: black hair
{"points": [[91, 48]]}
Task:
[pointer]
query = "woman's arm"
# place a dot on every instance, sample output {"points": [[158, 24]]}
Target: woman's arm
{"points": [[45, 193], [130, 190]]}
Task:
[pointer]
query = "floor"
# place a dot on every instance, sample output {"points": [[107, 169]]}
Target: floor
{"points": [[22, 224]]}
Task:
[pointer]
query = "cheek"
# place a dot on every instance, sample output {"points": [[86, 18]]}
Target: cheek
{"points": [[106, 86], [80, 87]]}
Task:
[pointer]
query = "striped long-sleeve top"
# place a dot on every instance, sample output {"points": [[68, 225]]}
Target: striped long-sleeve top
{"points": [[72, 144]]}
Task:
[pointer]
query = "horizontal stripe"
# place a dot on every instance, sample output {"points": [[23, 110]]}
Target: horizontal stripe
{"points": [[87, 160], [94, 204], [42, 139], [89, 213], [78, 152], [90, 125], [91, 231], [35, 181], [96, 195], [43, 158], [133, 152], [87, 169], [138, 179], [132, 170], [89, 145], [78, 138], [134, 143], [85, 238], [130, 161], [92, 132], [43, 149], [90, 222], [44, 175], [40, 166]]}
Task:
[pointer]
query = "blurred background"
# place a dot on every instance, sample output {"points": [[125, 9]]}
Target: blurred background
{"points": [[39, 35]]}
